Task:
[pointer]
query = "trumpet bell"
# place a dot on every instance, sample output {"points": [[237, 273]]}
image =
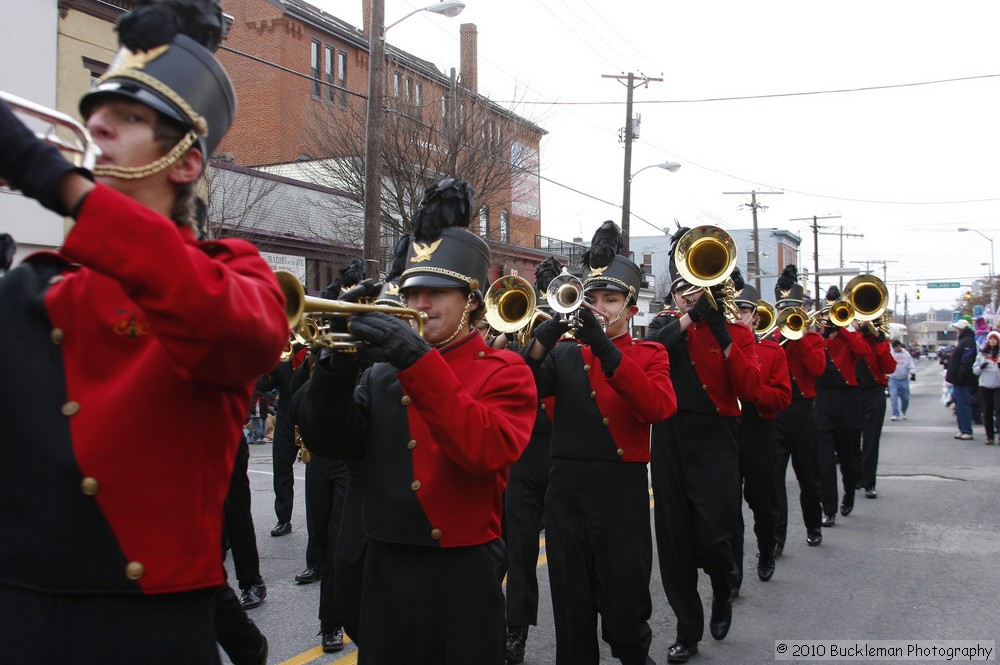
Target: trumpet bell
{"points": [[565, 293], [767, 318], [792, 322], [705, 256], [510, 304], [842, 313], [868, 296]]}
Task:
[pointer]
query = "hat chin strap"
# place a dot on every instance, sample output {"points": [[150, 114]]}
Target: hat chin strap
{"points": [[139, 172], [462, 325]]}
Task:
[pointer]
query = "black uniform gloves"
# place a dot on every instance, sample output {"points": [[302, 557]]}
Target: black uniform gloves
{"points": [[716, 321], [591, 334], [389, 339], [829, 329], [549, 332], [702, 309], [30, 164]]}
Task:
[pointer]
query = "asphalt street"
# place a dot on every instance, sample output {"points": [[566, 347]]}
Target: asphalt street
{"points": [[920, 562]]}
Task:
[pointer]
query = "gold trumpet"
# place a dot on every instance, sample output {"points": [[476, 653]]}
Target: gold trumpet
{"points": [[793, 322], [85, 152], [310, 330], [868, 295], [705, 257], [511, 307], [767, 319], [841, 313]]}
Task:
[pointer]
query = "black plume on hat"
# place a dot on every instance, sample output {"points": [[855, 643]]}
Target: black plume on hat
{"points": [[446, 204], [352, 274], [398, 258], [833, 293], [546, 271], [738, 281], [604, 246], [789, 276], [155, 22]]}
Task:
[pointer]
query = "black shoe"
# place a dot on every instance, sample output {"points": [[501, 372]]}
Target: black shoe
{"points": [[281, 529], [681, 653], [765, 568], [779, 549], [722, 618], [858, 486], [253, 595], [333, 640], [870, 493], [517, 637], [814, 537], [829, 519], [309, 575], [846, 508]]}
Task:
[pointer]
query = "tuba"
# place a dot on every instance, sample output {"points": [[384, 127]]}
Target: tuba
{"points": [[705, 257], [510, 307], [85, 152], [312, 331], [767, 319]]}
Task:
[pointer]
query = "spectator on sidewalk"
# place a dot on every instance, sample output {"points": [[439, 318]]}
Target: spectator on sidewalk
{"points": [[899, 380], [985, 368], [959, 374]]}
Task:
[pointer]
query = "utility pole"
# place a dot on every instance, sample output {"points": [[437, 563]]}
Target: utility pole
{"points": [[756, 244], [842, 236], [631, 82], [868, 264], [373, 141], [815, 229]]}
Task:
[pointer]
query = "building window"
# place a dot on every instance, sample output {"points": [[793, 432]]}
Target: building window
{"points": [[409, 89], [647, 258], [484, 221], [505, 225], [328, 65], [96, 69], [418, 94], [396, 84], [342, 77], [314, 63], [751, 264]]}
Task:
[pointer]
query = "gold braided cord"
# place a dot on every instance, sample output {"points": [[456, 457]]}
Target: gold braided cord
{"points": [[440, 271], [197, 121], [602, 278], [138, 172]]}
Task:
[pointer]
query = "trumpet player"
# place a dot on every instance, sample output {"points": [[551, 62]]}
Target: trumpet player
{"points": [[120, 553], [695, 457], [438, 420], [756, 439], [873, 379], [608, 389], [838, 411], [796, 435]]}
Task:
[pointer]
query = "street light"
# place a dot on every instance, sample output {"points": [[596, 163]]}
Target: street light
{"points": [[627, 198], [373, 123], [993, 299]]}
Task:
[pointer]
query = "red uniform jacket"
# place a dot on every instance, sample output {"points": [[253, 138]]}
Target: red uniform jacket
{"points": [[775, 385], [726, 380], [879, 359], [806, 362], [600, 418], [126, 366], [437, 439], [844, 349]]}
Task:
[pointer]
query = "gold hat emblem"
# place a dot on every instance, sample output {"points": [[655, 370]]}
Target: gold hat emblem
{"points": [[785, 293], [596, 272], [391, 289], [139, 59], [424, 251]]}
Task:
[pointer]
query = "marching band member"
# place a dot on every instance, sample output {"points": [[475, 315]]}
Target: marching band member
{"points": [[695, 458], [796, 435], [873, 373], [120, 554], [756, 438], [608, 390], [838, 413], [438, 420]]}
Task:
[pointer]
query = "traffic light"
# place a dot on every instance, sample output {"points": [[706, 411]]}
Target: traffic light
{"points": [[968, 295], [918, 294]]}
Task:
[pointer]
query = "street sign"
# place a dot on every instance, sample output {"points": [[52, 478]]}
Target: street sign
{"points": [[944, 285], [955, 316]]}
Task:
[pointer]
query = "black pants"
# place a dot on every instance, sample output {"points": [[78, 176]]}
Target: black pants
{"points": [[349, 560], [837, 419], [696, 485], [795, 437], [326, 485], [600, 556], [757, 474], [238, 520], [524, 501], [432, 605], [871, 399], [990, 404], [283, 454], [98, 629], [236, 632]]}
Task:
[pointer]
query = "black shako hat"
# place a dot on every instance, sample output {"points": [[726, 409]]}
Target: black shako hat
{"points": [[166, 63], [604, 268], [788, 292], [676, 281], [442, 252], [747, 297]]}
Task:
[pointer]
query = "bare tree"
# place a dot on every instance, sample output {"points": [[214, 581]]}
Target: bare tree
{"points": [[238, 204]]}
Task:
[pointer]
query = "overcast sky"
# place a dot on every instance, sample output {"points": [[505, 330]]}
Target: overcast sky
{"points": [[904, 166]]}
